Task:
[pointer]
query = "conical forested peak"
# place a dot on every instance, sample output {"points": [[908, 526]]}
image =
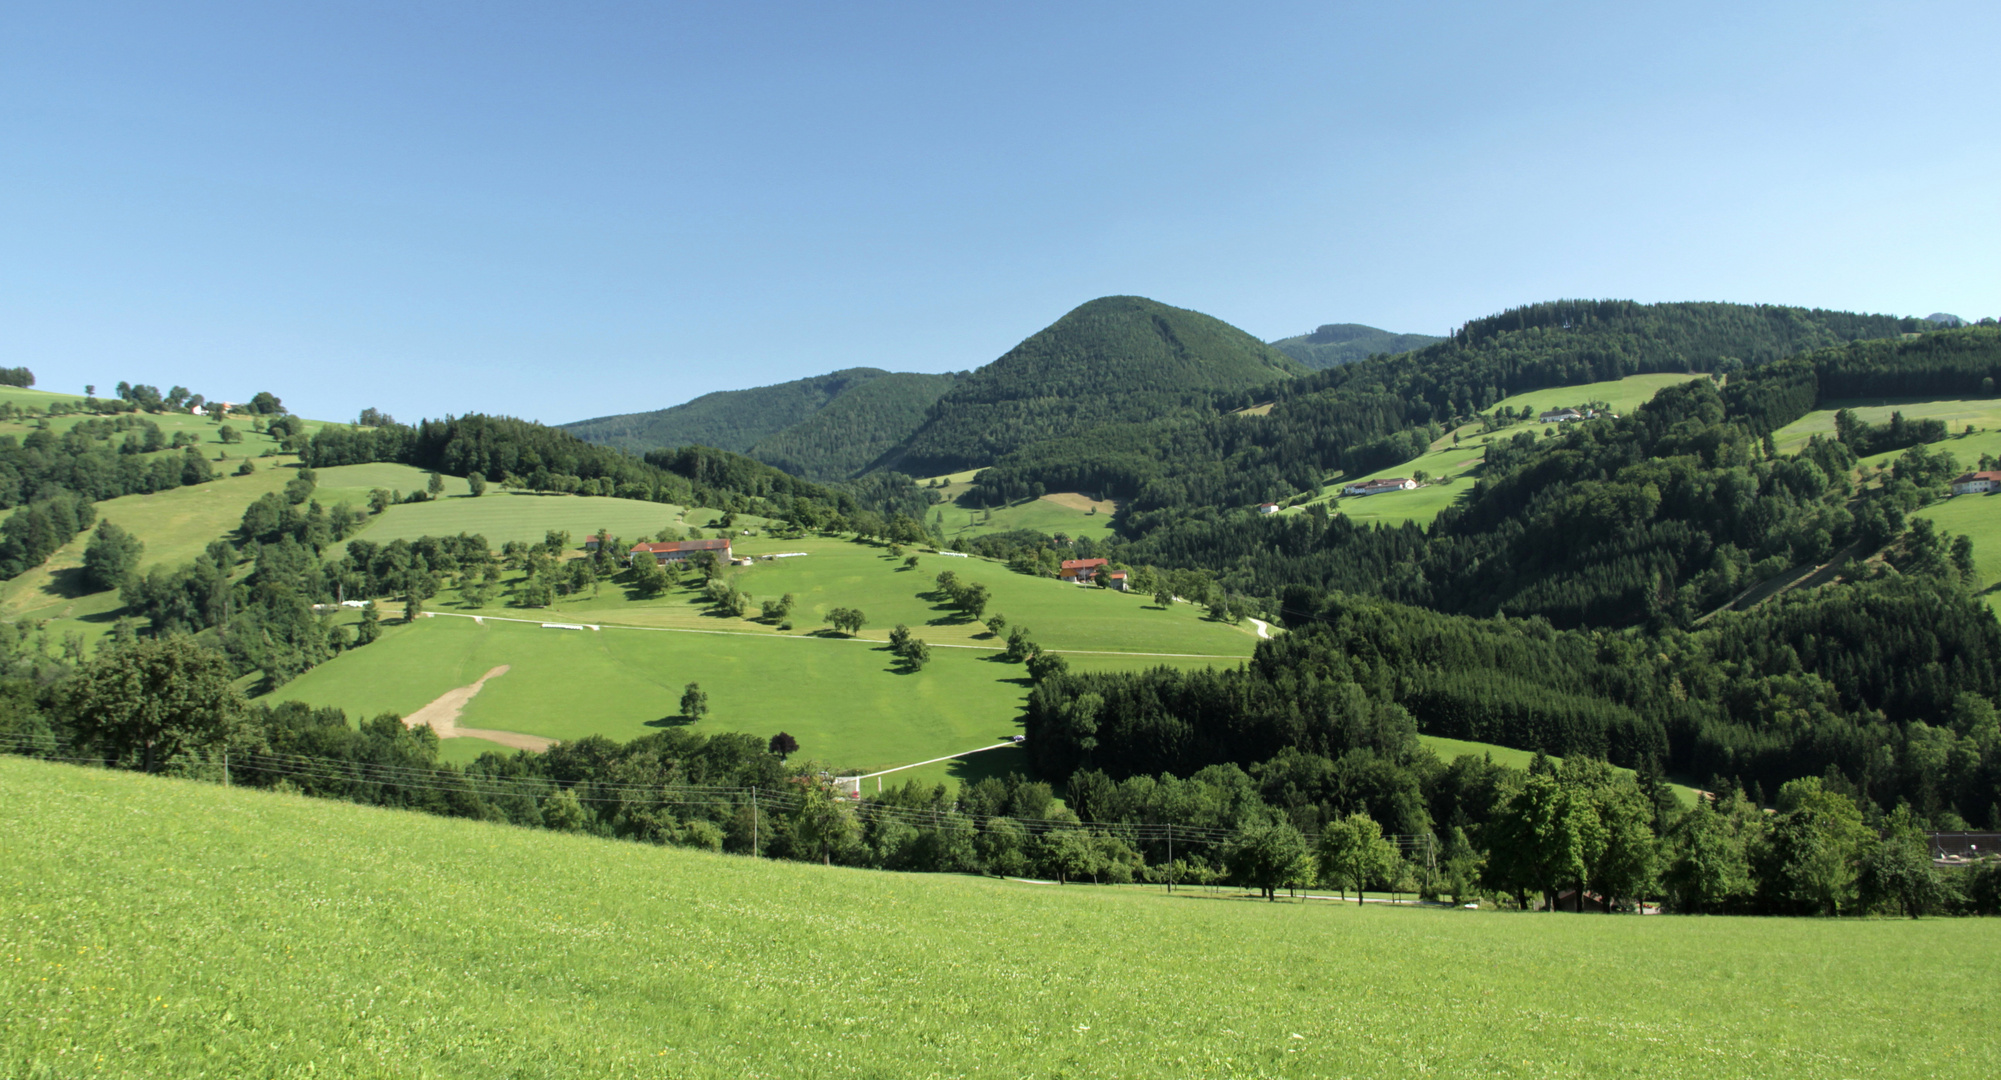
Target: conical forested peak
{"points": [[1115, 358]]}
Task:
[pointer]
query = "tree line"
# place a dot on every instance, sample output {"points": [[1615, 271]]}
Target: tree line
{"points": [[1576, 835]]}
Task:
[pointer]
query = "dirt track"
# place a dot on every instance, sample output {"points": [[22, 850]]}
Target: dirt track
{"points": [[443, 716]]}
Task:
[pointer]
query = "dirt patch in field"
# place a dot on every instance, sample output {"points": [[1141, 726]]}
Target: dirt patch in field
{"points": [[443, 716], [1080, 502]]}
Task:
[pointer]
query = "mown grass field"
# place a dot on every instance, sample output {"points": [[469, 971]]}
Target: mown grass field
{"points": [[1070, 513], [1461, 462], [1984, 413], [501, 516], [36, 399], [842, 573], [847, 701], [1979, 517], [163, 927]]}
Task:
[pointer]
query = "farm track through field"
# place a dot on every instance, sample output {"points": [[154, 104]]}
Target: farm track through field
{"points": [[811, 637], [443, 716]]}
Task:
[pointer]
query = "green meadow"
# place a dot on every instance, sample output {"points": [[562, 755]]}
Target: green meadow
{"points": [[1983, 413], [36, 399], [1070, 513], [175, 525], [1976, 516], [501, 516], [846, 700], [1447, 749], [1451, 466], [168, 927], [1979, 517]]}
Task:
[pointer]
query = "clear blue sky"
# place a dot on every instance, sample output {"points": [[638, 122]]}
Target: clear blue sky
{"points": [[564, 210]]}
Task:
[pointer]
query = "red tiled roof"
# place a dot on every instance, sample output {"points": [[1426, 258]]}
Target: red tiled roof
{"points": [[1083, 564], [682, 545], [1988, 474]]}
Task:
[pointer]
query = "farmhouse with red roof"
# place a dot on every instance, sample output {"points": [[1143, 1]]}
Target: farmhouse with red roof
{"points": [[1081, 570], [681, 550]]}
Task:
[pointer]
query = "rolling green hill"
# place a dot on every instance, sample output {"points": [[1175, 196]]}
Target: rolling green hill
{"points": [[168, 927], [1344, 343], [1118, 358], [826, 427], [846, 700]]}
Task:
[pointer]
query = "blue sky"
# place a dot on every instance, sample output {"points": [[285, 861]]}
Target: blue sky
{"points": [[564, 210]]}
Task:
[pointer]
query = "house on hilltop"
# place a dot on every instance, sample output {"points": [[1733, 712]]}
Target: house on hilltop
{"points": [[1081, 570], [1117, 579], [1267, 508], [1976, 483], [595, 541], [1565, 416], [673, 551], [1377, 487]]}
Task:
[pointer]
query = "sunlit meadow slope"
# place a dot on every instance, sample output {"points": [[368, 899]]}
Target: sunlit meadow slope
{"points": [[155, 927]]}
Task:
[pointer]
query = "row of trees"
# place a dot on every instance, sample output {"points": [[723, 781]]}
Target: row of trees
{"points": [[1580, 835]]}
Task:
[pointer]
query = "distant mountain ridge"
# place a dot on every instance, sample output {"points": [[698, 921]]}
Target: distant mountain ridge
{"points": [[826, 427], [1114, 359], [1344, 343]]}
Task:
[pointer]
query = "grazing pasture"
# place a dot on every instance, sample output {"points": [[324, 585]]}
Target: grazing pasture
{"points": [[849, 702], [168, 927], [501, 516]]}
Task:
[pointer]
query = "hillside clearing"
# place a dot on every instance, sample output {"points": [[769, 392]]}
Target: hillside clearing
{"points": [[165, 926], [1451, 466]]}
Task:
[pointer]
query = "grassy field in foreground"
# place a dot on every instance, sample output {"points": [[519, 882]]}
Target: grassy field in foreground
{"points": [[1461, 461], [165, 927]]}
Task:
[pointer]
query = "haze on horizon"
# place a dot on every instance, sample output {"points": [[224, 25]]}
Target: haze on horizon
{"points": [[564, 212]]}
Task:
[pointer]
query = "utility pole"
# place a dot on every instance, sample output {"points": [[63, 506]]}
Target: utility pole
{"points": [[753, 822], [1170, 856], [225, 766]]}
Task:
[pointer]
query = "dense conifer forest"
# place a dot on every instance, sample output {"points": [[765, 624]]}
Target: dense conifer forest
{"points": [[1344, 343], [828, 427], [1113, 361]]}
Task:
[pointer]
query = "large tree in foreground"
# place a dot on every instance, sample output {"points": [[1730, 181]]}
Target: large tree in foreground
{"points": [[155, 699]]}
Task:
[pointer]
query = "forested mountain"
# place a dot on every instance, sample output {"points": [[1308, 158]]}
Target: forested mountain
{"points": [[522, 453], [1112, 361], [1578, 603], [1369, 415], [1660, 515], [737, 420], [1344, 343], [855, 428]]}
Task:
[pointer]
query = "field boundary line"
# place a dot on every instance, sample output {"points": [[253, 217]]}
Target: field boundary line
{"points": [[817, 637]]}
